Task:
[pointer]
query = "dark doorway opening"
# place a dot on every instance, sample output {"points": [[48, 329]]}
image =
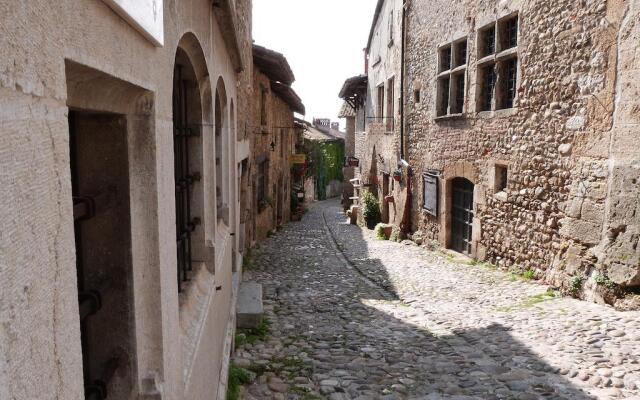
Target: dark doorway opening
{"points": [[461, 215], [102, 228], [385, 193]]}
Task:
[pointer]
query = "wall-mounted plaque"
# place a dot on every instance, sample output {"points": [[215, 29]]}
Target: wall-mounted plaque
{"points": [[145, 15]]}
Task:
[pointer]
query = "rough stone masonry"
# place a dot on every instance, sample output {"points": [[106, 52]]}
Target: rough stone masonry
{"points": [[543, 122]]}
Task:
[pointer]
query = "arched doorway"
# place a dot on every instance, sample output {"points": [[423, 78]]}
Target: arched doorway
{"points": [[461, 215]]}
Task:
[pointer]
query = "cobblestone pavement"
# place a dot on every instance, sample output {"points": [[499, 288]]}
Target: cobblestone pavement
{"points": [[428, 328]]}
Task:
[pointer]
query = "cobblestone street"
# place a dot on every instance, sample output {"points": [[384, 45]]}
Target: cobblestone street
{"points": [[354, 317]]}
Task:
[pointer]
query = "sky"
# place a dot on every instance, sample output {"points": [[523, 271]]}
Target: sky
{"points": [[323, 42]]}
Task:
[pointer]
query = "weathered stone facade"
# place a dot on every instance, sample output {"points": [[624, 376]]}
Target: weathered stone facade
{"points": [[86, 98], [566, 144], [273, 136], [377, 119]]}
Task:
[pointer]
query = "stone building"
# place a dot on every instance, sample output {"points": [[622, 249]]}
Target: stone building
{"points": [[375, 96], [273, 137], [513, 139], [522, 125], [120, 163]]}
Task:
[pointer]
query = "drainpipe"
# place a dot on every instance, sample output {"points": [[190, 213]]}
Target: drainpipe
{"points": [[403, 28], [405, 225]]}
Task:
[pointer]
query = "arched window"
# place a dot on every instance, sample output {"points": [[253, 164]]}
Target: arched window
{"points": [[222, 153], [188, 163]]}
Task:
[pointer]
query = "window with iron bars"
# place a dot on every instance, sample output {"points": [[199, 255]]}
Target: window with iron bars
{"points": [[451, 88], [185, 178], [488, 79], [510, 70], [498, 69]]}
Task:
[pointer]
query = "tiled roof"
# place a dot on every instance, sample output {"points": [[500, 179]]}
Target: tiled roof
{"points": [[273, 64], [289, 96]]}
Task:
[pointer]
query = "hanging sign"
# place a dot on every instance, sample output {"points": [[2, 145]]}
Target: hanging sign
{"points": [[144, 15], [298, 158]]}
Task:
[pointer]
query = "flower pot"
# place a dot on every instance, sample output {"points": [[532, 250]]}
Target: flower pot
{"points": [[387, 231]]}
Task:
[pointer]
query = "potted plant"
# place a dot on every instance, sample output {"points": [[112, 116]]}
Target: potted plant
{"points": [[397, 175], [370, 210]]}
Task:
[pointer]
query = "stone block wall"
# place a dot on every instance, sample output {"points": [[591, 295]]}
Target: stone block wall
{"points": [[557, 141], [53, 60], [279, 130]]}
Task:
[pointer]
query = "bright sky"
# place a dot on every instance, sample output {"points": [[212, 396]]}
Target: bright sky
{"points": [[323, 42]]}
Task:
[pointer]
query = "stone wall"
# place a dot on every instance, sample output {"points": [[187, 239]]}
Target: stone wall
{"points": [[567, 190], [377, 142], [279, 130], [52, 60]]}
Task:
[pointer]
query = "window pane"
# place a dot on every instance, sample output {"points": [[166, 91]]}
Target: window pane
{"points": [[443, 95], [488, 84], [508, 71], [459, 94], [445, 59], [461, 53], [489, 41], [511, 33]]}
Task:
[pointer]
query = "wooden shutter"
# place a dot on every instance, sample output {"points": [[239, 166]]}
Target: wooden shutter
{"points": [[430, 194]]}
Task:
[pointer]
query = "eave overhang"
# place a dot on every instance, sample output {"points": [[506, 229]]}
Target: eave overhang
{"points": [[354, 90], [289, 96], [273, 64], [224, 11]]}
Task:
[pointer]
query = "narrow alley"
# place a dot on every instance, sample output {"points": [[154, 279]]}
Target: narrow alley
{"points": [[350, 316]]}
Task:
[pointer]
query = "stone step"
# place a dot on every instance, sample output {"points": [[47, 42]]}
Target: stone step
{"points": [[249, 310]]}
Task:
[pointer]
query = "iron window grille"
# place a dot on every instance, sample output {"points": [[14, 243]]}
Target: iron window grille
{"points": [[488, 86], [185, 178], [509, 33], [511, 69], [450, 88], [488, 41], [498, 74]]}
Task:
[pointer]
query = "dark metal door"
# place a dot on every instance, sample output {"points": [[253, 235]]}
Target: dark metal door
{"points": [[462, 215]]}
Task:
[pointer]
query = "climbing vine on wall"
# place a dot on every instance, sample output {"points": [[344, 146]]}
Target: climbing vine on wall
{"points": [[326, 160]]}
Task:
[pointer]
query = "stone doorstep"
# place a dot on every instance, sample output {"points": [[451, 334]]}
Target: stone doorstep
{"points": [[249, 309]]}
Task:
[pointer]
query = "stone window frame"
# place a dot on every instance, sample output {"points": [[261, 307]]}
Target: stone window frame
{"points": [[499, 174], [495, 61], [452, 70]]}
